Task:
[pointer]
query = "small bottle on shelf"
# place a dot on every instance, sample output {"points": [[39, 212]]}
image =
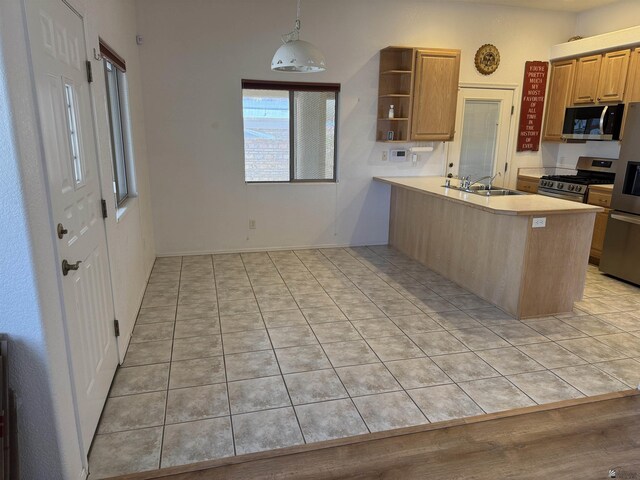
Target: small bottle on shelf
{"points": [[391, 112]]}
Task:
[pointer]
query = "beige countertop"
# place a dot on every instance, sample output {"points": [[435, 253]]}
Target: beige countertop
{"points": [[530, 176], [528, 204], [603, 188]]}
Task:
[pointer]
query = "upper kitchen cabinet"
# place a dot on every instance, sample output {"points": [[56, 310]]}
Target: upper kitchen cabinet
{"points": [[422, 86], [613, 76], [601, 78], [633, 79], [632, 92], [587, 73], [435, 94], [559, 98]]}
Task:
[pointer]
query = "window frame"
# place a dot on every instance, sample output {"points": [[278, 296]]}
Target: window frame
{"points": [[293, 87], [119, 66]]}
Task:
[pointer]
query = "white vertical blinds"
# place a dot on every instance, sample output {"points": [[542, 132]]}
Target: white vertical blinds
{"points": [[314, 126]]}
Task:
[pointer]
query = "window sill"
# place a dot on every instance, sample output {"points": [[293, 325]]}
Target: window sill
{"points": [[323, 182], [127, 205]]}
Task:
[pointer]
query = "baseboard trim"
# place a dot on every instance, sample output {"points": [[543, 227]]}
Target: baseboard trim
{"points": [[265, 249]]}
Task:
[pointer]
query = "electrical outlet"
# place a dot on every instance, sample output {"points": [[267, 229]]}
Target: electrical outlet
{"points": [[252, 224], [539, 222], [385, 155]]}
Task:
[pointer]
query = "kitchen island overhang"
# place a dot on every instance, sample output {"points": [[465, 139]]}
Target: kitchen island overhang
{"points": [[489, 246]]}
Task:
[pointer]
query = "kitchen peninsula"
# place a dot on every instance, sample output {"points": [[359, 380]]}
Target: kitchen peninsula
{"points": [[489, 245]]}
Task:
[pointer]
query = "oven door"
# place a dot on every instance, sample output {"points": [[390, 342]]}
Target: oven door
{"points": [[573, 197]]}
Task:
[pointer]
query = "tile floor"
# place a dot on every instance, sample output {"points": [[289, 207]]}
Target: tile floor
{"points": [[239, 353]]}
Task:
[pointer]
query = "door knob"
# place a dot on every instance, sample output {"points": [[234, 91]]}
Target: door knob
{"points": [[66, 266], [62, 231]]}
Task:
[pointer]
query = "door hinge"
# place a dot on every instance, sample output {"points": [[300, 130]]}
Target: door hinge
{"points": [[116, 327], [89, 71], [513, 108], [103, 203]]}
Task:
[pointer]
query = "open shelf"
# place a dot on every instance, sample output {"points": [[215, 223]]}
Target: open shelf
{"points": [[394, 88]]}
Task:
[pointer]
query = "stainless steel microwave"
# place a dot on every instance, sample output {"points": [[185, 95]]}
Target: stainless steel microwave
{"points": [[601, 122]]}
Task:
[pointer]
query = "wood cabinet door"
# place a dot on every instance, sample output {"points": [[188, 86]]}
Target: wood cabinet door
{"points": [[599, 230], [525, 185], [435, 93], [632, 89], [558, 99], [633, 78], [587, 75], [613, 76]]}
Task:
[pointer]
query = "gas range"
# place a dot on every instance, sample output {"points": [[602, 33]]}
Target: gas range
{"points": [[591, 171]]}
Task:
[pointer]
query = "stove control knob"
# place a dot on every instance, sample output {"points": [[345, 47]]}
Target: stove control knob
{"points": [[571, 188], [560, 186]]}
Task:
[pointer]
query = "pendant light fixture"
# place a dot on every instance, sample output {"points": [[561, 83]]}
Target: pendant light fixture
{"points": [[295, 55]]}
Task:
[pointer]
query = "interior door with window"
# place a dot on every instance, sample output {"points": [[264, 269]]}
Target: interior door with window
{"points": [[56, 38], [483, 127]]}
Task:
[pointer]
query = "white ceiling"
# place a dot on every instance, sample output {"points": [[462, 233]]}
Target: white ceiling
{"points": [[560, 5]]}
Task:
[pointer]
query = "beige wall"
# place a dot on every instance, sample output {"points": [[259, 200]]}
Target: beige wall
{"points": [[196, 52], [129, 232], [605, 19]]}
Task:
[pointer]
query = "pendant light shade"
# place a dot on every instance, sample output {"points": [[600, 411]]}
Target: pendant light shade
{"points": [[295, 55], [298, 56]]}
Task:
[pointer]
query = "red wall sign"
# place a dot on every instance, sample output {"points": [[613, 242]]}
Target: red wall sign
{"points": [[534, 87]]}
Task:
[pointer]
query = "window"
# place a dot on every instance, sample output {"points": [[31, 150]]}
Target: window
{"points": [[72, 129], [114, 69], [290, 131]]}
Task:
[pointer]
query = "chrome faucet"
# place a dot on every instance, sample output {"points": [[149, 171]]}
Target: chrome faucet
{"points": [[491, 179]]}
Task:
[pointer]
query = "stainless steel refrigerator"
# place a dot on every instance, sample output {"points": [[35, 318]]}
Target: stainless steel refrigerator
{"points": [[621, 252]]}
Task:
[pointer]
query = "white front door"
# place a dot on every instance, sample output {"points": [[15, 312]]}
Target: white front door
{"points": [[56, 37], [483, 128]]}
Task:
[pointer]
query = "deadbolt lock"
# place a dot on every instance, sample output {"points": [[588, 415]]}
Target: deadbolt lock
{"points": [[67, 267], [62, 231]]}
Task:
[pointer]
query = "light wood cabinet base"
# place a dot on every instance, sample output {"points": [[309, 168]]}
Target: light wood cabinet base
{"points": [[525, 271]]}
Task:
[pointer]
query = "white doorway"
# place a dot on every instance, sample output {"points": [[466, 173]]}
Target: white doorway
{"points": [[58, 54], [484, 123]]}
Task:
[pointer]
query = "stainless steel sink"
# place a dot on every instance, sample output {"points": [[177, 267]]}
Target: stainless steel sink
{"points": [[497, 192], [476, 188], [485, 192]]}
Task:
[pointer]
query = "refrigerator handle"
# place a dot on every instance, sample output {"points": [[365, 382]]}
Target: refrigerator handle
{"points": [[635, 219]]}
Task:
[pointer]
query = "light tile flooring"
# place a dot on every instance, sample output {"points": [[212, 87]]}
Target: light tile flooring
{"points": [[239, 353]]}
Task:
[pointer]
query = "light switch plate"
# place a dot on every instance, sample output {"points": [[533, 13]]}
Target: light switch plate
{"points": [[539, 222]]}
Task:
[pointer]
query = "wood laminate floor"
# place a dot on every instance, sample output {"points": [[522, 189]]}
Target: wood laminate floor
{"points": [[576, 439]]}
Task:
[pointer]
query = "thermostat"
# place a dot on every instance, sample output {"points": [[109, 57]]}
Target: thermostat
{"points": [[398, 155]]}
